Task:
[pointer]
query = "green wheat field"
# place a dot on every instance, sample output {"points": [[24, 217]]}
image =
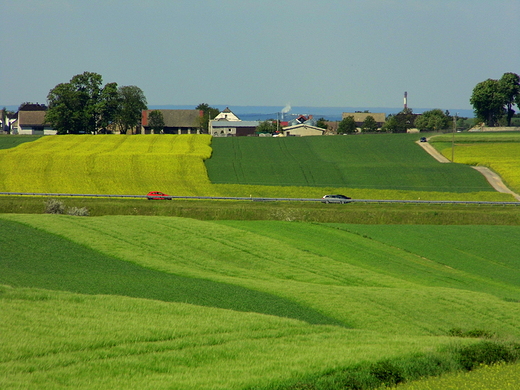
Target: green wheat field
{"points": [[167, 302]]}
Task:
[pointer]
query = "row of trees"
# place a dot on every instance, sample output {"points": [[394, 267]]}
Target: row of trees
{"points": [[84, 105], [493, 100]]}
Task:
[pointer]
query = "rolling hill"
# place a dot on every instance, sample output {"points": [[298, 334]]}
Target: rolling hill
{"points": [[161, 302]]}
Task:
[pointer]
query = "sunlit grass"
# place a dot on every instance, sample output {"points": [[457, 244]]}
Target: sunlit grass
{"points": [[495, 377]]}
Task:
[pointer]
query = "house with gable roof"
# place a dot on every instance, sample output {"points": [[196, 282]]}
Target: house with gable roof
{"points": [[227, 124], [31, 120], [175, 121]]}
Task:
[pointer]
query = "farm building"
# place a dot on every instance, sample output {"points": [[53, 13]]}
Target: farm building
{"points": [[234, 128], [175, 121], [302, 130], [359, 117], [31, 120], [226, 115]]}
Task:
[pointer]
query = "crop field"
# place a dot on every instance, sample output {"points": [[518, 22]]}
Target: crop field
{"points": [[363, 167], [126, 302], [500, 152], [94, 164], [382, 161]]}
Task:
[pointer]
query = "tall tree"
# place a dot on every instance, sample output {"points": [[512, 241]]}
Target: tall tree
{"points": [[269, 126], [492, 99], [74, 106], [208, 113], [509, 86], [322, 123], [433, 120], [347, 125], [488, 102], [131, 104], [156, 121], [369, 124]]}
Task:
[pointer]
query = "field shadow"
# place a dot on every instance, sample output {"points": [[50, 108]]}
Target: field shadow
{"points": [[31, 257]]}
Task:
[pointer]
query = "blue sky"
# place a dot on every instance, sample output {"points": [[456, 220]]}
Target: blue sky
{"points": [[335, 53]]}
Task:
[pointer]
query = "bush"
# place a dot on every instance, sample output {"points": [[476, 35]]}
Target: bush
{"points": [[53, 206], [78, 211], [486, 352], [387, 373]]}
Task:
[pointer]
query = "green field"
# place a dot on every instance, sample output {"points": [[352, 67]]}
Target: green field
{"points": [[389, 166], [160, 302], [207, 294], [382, 161]]}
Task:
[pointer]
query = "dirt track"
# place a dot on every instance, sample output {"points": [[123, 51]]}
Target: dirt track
{"points": [[492, 177]]}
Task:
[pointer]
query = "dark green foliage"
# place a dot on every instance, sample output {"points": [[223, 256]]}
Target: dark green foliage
{"points": [[33, 258], [405, 369], [476, 333], [486, 352], [387, 373], [208, 113], [347, 125], [369, 124], [156, 121]]}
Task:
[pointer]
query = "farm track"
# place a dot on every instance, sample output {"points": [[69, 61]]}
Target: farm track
{"points": [[493, 178]]}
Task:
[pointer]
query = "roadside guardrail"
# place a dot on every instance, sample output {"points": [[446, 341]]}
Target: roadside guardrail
{"points": [[261, 199]]}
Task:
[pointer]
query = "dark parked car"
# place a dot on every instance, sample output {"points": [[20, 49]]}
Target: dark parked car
{"points": [[335, 199], [423, 139], [156, 195]]}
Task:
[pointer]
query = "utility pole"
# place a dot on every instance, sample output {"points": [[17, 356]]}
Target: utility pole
{"points": [[453, 137]]}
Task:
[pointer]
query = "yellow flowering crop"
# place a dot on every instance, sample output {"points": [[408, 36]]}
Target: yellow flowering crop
{"points": [[99, 164]]}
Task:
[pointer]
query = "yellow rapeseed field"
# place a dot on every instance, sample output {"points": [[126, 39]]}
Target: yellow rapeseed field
{"points": [[503, 158], [106, 164]]}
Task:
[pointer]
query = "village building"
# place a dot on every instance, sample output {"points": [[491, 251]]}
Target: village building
{"points": [[30, 120], [359, 117], [175, 121], [227, 124], [302, 130]]}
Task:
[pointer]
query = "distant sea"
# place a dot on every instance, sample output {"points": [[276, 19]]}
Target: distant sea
{"points": [[261, 113]]}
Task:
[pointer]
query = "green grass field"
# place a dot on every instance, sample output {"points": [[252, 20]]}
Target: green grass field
{"points": [[160, 302]]}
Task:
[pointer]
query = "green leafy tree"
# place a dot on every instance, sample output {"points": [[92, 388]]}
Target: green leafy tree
{"points": [[347, 125], [433, 120], [77, 107], [400, 122], [509, 86], [322, 124], [369, 124], [156, 121], [269, 126], [131, 104], [490, 98], [208, 113], [107, 107]]}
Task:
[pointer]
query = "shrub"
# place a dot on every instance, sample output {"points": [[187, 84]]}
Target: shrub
{"points": [[486, 352], [78, 211], [387, 373], [54, 206]]}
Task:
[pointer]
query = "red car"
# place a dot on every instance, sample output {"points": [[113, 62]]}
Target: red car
{"points": [[156, 195]]}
